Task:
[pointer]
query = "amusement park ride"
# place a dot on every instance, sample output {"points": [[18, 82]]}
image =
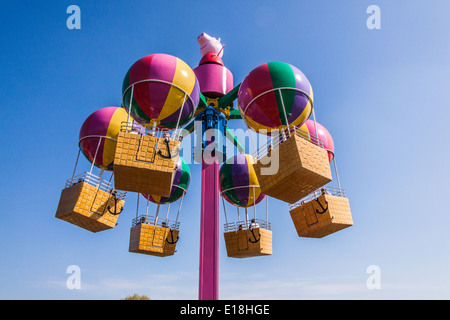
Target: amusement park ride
{"points": [[164, 101]]}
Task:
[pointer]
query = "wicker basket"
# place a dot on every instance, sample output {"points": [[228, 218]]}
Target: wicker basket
{"points": [[248, 243], [322, 216], [142, 164], [303, 168], [87, 207], [153, 240]]}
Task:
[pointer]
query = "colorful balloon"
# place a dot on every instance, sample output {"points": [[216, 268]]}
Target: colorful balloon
{"points": [[238, 182], [275, 109], [180, 184], [161, 102], [324, 136], [98, 136]]}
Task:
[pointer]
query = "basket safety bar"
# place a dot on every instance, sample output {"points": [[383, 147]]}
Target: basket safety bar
{"points": [[247, 225], [333, 191], [283, 136], [165, 223], [96, 182], [131, 127]]}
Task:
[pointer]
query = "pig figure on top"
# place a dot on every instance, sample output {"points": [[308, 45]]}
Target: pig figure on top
{"points": [[214, 78], [210, 44]]}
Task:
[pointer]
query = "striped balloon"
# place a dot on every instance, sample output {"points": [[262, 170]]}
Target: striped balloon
{"points": [[265, 108], [98, 136], [238, 182], [180, 184], [157, 101], [324, 136]]}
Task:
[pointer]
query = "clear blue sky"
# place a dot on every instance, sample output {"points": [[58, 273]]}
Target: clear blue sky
{"points": [[383, 95]]}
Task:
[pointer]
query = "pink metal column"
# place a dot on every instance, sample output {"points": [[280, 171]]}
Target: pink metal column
{"points": [[209, 233]]}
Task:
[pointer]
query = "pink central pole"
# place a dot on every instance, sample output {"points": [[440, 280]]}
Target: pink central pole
{"points": [[209, 233]]}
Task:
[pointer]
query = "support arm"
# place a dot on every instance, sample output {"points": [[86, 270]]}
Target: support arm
{"points": [[230, 136], [228, 99]]}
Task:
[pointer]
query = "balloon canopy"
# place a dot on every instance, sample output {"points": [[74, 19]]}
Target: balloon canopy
{"points": [[238, 182], [98, 136], [274, 96], [323, 134], [165, 91], [180, 184]]}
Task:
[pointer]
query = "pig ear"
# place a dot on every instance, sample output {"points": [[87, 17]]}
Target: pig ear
{"points": [[218, 39]]}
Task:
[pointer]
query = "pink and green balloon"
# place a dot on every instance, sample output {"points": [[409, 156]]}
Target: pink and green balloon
{"points": [[274, 96]]}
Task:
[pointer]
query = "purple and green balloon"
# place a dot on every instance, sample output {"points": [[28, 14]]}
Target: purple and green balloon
{"points": [[238, 182]]}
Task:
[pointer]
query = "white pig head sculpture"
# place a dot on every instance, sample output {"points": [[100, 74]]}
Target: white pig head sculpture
{"points": [[210, 44]]}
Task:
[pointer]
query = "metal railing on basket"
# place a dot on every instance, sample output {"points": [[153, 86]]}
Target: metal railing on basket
{"points": [[131, 126], [282, 136], [134, 127], [247, 225], [332, 191], [165, 223], [95, 181]]}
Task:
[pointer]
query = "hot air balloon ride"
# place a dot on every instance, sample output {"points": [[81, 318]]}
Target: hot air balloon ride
{"points": [[160, 92], [326, 210], [275, 99], [88, 201], [155, 235], [239, 186], [139, 145]]}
